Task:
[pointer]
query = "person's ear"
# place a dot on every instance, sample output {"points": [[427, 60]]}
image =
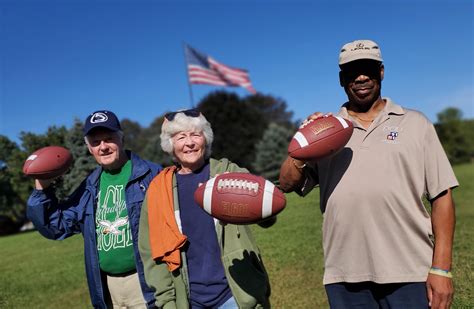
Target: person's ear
{"points": [[382, 71], [341, 79]]}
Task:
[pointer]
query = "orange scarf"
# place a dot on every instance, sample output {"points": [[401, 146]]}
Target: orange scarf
{"points": [[165, 237]]}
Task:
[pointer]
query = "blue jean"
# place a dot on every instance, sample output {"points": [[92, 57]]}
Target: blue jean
{"points": [[229, 304], [372, 295]]}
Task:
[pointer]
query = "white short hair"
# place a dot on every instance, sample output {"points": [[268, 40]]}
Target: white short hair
{"points": [[181, 123]]}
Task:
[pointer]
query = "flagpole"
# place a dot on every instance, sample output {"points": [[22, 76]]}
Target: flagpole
{"points": [[187, 76]]}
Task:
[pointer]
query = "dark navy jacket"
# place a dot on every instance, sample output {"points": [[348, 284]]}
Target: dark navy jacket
{"points": [[77, 215]]}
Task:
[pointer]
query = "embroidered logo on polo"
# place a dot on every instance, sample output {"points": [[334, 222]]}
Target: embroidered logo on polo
{"points": [[99, 117], [113, 230], [392, 134]]}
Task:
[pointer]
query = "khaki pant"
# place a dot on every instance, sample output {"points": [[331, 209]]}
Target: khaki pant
{"points": [[126, 292]]}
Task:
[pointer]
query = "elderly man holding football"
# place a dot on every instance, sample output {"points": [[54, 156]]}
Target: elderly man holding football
{"points": [[191, 259], [382, 248], [105, 209]]}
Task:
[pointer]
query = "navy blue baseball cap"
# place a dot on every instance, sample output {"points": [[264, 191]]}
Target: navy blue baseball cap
{"points": [[102, 119]]}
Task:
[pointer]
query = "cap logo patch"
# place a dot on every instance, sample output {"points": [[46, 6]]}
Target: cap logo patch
{"points": [[99, 117], [361, 45]]}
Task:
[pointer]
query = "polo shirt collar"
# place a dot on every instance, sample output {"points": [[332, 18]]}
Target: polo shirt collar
{"points": [[391, 108]]}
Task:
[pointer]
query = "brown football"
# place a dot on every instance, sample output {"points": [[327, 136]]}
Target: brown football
{"points": [[240, 198], [320, 138], [48, 162]]}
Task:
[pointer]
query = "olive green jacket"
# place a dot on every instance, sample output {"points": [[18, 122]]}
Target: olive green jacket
{"points": [[241, 258]]}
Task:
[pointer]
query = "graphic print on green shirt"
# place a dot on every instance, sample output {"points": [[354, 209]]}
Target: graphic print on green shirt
{"points": [[114, 236]]}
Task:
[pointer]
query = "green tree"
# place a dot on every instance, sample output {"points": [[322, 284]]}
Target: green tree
{"points": [[6, 148], [271, 151], [11, 208], [238, 124], [273, 109], [54, 136], [449, 114], [133, 134], [154, 153], [152, 149], [83, 162], [18, 183], [451, 133], [467, 127]]}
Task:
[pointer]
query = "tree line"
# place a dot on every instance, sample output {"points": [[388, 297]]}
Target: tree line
{"points": [[238, 124], [252, 131]]}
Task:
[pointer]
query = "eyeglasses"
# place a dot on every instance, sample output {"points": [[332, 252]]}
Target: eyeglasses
{"points": [[189, 112]]}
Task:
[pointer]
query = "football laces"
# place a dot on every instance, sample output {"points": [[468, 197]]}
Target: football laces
{"points": [[229, 184], [305, 123]]}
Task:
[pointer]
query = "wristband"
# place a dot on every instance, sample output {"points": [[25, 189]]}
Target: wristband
{"points": [[441, 272]]}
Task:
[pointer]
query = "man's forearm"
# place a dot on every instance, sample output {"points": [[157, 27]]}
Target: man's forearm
{"points": [[443, 221]]}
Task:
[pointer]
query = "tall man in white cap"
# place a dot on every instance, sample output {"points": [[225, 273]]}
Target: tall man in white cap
{"points": [[105, 209], [382, 248]]}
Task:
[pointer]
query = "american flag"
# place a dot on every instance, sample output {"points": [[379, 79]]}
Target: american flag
{"points": [[203, 69]]}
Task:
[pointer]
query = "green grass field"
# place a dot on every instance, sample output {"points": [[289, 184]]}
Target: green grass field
{"points": [[39, 273]]}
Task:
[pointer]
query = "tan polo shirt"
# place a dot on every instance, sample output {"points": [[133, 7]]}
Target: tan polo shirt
{"points": [[375, 225]]}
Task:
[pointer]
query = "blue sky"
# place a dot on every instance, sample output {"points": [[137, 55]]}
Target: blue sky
{"points": [[61, 60]]}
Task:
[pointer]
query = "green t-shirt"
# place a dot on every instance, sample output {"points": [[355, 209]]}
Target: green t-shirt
{"points": [[114, 236]]}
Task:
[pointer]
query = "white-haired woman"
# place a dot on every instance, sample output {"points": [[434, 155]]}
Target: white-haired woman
{"points": [[192, 260]]}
